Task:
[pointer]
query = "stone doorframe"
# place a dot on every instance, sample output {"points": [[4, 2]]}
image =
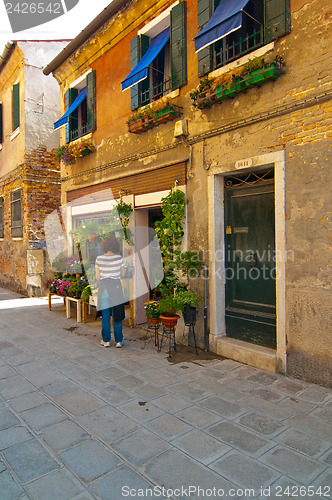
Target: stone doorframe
{"points": [[242, 351]]}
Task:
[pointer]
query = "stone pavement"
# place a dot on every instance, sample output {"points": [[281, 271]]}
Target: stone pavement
{"points": [[78, 421]]}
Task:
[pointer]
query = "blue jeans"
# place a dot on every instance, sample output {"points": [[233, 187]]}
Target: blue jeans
{"points": [[106, 313]]}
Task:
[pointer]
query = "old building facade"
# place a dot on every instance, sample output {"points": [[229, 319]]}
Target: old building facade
{"points": [[29, 169], [251, 151]]}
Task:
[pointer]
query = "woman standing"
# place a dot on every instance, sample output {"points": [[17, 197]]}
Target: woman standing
{"points": [[109, 268]]}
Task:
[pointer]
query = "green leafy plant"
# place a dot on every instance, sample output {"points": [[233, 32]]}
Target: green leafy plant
{"points": [[169, 305]]}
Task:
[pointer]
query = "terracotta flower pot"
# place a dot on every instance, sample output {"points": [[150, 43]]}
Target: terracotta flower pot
{"points": [[153, 321], [169, 321]]}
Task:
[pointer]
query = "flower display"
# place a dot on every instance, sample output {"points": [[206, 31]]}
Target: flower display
{"points": [[151, 309], [69, 153]]}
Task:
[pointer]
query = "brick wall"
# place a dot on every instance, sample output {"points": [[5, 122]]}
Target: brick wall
{"points": [[39, 179]]}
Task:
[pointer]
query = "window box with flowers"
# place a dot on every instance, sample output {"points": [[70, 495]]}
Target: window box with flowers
{"points": [[253, 73], [69, 153], [153, 114]]}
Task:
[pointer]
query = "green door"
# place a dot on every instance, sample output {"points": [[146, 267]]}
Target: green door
{"points": [[250, 263]]}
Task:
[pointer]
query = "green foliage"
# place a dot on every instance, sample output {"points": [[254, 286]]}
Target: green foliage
{"points": [[169, 305], [187, 297], [169, 229], [152, 309], [189, 264]]}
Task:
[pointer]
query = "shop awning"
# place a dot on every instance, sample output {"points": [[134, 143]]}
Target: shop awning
{"points": [[226, 18], [64, 118], [140, 72]]}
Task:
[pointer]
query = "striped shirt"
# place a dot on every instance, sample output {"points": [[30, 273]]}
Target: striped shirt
{"points": [[109, 266]]}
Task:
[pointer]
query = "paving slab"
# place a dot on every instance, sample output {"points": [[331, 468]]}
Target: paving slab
{"points": [[141, 411], [244, 471], [79, 402], [10, 489], [261, 423], [7, 419], [90, 460], [201, 446], [28, 401], [30, 460], [14, 435], [140, 447], [222, 407], [198, 417], [168, 426], [293, 464], [118, 484], [43, 416], [56, 485], [305, 443], [64, 435]]}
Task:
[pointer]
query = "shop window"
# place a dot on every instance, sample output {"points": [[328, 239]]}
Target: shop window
{"points": [[229, 29], [16, 213]]}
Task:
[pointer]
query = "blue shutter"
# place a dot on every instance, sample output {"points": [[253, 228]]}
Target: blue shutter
{"points": [[179, 45]]}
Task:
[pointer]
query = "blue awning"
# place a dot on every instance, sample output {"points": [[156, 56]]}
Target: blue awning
{"points": [[226, 18], [140, 72], [64, 118]]}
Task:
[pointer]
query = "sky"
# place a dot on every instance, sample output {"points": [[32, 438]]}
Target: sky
{"points": [[67, 26]]}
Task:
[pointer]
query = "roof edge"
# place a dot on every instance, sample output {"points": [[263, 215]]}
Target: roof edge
{"points": [[9, 47], [84, 35]]}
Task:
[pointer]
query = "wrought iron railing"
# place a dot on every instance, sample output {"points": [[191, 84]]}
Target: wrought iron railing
{"points": [[238, 48], [75, 134], [156, 91]]}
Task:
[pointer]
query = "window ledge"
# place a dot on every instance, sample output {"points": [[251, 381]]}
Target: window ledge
{"points": [[15, 133], [242, 60], [17, 238], [85, 136]]}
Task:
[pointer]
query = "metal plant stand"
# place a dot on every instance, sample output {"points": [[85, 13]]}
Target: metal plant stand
{"points": [[154, 328], [192, 330], [168, 332]]}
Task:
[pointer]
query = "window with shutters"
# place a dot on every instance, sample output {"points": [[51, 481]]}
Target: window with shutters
{"points": [[16, 213], [1, 217], [16, 106], [82, 120], [262, 22], [168, 69]]}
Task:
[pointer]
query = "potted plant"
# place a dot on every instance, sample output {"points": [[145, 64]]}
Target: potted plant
{"points": [[152, 311], [169, 306], [188, 301], [87, 232]]}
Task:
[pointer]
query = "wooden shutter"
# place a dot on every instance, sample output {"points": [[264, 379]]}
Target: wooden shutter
{"points": [[72, 124], [205, 9], [277, 19], [1, 125], [16, 105], [138, 46], [179, 45], [91, 100]]}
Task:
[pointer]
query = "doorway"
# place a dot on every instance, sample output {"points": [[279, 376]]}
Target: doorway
{"points": [[146, 218], [250, 274]]}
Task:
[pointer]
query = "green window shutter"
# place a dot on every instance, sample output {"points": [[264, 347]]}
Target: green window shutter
{"points": [[138, 46], [134, 58], [1, 125], [205, 9], [144, 85], [91, 100], [277, 19], [16, 105], [179, 45], [72, 124]]}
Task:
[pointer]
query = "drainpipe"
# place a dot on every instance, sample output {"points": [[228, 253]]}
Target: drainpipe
{"points": [[206, 331]]}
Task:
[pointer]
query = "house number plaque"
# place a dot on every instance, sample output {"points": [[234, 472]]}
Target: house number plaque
{"points": [[247, 162]]}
